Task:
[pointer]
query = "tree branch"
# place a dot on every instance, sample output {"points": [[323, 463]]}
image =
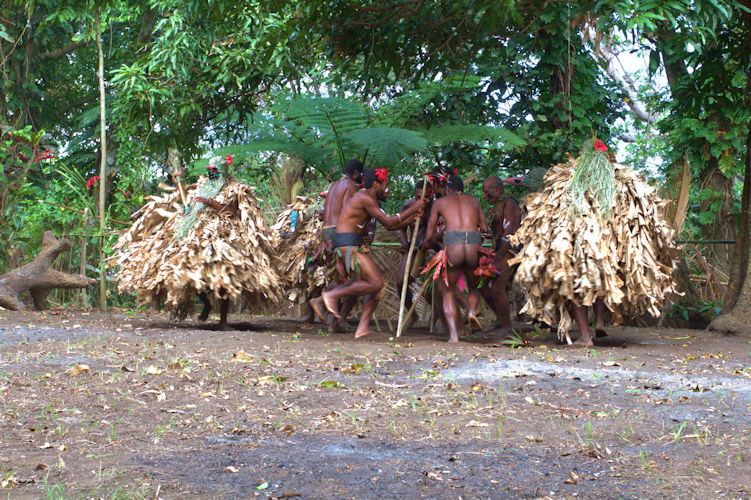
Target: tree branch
{"points": [[57, 53], [607, 57]]}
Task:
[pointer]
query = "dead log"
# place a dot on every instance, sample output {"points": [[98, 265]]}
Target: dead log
{"points": [[38, 278]]}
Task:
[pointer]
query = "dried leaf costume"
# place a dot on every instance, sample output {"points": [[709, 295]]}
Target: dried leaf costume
{"points": [[297, 229], [175, 253], [595, 230]]}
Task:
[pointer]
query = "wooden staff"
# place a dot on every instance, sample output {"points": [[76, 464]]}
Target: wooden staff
{"points": [[419, 296], [405, 284]]}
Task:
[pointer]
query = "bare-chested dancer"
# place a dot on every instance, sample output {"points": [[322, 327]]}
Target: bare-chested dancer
{"points": [[348, 240], [505, 219], [405, 240], [338, 194], [463, 216]]}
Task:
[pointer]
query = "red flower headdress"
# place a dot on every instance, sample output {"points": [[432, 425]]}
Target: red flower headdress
{"points": [[229, 159], [381, 174]]}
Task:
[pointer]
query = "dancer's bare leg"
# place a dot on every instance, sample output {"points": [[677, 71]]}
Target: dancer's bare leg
{"points": [[223, 311], [599, 307], [206, 306], [581, 317]]}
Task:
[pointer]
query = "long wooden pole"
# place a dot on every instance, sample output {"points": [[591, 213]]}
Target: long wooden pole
{"points": [[417, 299], [405, 284], [102, 163]]}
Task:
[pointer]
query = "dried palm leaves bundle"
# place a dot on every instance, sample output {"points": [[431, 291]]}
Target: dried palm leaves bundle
{"points": [[297, 231], [622, 254], [226, 255]]}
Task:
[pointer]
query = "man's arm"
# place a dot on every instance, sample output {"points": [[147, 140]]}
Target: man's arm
{"points": [[394, 221], [432, 222], [512, 217], [403, 232], [230, 208], [482, 223]]}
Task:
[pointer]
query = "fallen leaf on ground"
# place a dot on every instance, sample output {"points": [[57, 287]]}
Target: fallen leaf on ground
{"points": [[75, 370]]}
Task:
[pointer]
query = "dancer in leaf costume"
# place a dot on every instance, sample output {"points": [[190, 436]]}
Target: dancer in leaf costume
{"points": [[216, 245], [594, 236]]}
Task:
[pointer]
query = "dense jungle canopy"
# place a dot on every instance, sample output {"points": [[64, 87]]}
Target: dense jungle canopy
{"points": [[292, 88]]}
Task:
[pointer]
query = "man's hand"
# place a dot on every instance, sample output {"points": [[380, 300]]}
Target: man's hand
{"points": [[402, 249], [201, 199]]}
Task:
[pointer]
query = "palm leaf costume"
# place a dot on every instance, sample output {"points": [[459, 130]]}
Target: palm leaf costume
{"points": [[595, 230], [173, 253]]}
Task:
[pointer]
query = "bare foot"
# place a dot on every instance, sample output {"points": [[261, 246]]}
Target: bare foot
{"points": [[224, 327], [454, 338], [343, 325], [330, 304], [317, 306], [584, 342], [474, 323], [362, 332], [600, 331]]}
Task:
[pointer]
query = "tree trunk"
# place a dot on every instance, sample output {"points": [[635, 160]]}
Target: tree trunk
{"points": [[736, 314], [38, 277]]}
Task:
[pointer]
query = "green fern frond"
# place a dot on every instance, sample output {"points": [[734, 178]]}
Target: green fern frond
{"points": [[445, 134], [384, 146], [330, 116]]}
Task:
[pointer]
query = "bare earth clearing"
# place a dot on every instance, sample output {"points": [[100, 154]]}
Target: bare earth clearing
{"points": [[278, 409]]}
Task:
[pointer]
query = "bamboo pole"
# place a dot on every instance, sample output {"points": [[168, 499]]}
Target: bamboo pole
{"points": [[82, 301], [102, 163], [405, 284]]}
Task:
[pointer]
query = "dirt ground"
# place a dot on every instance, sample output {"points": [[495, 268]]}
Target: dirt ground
{"points": [[126, 405]]}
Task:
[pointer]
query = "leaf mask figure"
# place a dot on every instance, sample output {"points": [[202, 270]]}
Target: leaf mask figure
{"points": [[214, 183]]}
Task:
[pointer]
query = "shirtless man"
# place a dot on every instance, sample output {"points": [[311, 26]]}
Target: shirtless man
{"points": [[405, 240], [463, 216], [348, 240], [338, 194], [505, 219]]}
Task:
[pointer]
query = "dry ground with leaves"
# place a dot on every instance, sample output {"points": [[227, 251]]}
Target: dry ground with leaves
{"points": [[124, 405]]}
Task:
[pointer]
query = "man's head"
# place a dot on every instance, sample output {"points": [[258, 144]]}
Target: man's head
{"points": [[378, 179], [454, 184], [218, 166], [418, 190], [353, 169], [492, 189]]}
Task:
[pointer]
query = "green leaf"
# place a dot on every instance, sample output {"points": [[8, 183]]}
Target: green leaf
{"points": [[263, 486], [331, 383]]}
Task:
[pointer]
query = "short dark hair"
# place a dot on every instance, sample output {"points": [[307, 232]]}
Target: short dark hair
{"points": [[369, 178], [352, 166], [455, 183], [420, 184]]}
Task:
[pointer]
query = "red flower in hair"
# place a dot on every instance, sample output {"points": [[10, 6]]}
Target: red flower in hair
{"points": [[600, 146], [229, 159], [91, 181], [456, 171], [443, 178], [381, 174]]}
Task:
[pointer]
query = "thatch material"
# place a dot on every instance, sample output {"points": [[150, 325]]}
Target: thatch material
{"points": [[626, 259], [229, 256], [297, 246]]}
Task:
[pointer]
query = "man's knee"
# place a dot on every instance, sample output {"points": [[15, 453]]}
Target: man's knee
{"points": [[377, 284]]}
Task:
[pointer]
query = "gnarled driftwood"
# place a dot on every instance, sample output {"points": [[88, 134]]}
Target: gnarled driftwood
{"points": [[38, 277]]}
